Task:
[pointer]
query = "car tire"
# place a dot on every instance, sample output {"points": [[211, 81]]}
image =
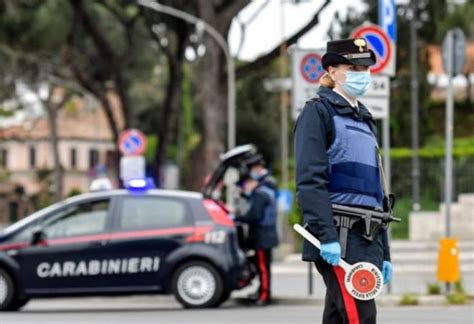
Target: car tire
{"points": [[8, 299], [197, 284], [19, 303]]}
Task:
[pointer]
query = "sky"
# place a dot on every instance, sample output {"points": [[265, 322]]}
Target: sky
{"points": [[264, 33]]}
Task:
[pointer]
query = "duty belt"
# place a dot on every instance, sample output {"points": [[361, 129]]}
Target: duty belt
{"points": [[346, 217]]}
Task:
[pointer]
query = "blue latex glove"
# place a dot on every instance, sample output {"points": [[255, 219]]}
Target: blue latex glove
{"points": [[331, 252], [387, 271]]}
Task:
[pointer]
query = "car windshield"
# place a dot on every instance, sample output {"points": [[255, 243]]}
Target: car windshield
{"points": [[32, 218]]}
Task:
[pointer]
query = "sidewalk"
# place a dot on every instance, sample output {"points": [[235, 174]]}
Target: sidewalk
{"points": [[414, 268]]}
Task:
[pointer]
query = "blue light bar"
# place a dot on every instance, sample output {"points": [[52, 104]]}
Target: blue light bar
{"points": [[140, 184]]}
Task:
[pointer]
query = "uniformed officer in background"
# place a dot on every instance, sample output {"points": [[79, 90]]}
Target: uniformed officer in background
{"points": [[337, 162], [259, 190]]}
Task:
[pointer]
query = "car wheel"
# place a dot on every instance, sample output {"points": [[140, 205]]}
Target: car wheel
{"points": [[7, 292], [197, 284]]}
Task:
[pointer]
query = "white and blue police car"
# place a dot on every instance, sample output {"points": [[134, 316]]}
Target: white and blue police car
{"points": [[122, 242]]}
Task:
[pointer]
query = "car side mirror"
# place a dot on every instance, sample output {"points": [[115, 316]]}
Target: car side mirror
{"points": [[37, 236]]}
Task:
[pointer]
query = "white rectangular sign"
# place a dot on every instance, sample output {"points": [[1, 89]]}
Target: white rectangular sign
{"points": [[306, 70], [379, 86], [377, 98], [378, 107], [132, 167]]}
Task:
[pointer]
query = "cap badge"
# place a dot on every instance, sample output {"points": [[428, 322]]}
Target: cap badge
{"points": [[360, 43]]}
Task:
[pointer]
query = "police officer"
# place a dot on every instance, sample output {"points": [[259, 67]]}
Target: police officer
{"points": [[337, 163], [262, 234]]}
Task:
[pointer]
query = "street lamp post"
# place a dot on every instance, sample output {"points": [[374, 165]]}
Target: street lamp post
{"points": [[201, 24]]}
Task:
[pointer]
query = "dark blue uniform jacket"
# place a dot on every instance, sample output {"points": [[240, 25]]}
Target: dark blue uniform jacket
{"points": [[313, 135], [260, 236]]}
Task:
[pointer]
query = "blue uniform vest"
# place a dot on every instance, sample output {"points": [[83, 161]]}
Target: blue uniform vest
{"points": [[354, 175], [270, 214]]}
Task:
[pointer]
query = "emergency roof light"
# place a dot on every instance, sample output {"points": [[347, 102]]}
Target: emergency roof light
{"points": [[138, 185]]}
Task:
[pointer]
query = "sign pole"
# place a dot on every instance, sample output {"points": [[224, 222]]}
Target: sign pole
{"points": [[448, 173], [416, 206], [449, 137]]}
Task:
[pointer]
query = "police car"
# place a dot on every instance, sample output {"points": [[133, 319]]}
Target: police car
{"points": [[122, 242]]}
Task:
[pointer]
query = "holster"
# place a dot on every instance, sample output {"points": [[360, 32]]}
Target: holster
{"points": [[345, 223]]}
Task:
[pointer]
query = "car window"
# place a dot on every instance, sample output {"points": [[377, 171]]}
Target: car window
{"points": [[81, 219], [152, 213]]}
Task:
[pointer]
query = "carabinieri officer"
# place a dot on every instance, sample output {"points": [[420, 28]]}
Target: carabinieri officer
{"points": [[336, 163]]}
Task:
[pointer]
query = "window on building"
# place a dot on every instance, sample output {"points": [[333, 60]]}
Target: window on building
{"points": [[93, 158], [73, 157], [140, 213], [3, 158], [32, 157]]}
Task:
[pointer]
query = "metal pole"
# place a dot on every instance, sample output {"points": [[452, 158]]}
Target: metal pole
{"points": [[310, 278], [414, 108], [448, 188], [283, 102], [387, 167], [222, 43]]}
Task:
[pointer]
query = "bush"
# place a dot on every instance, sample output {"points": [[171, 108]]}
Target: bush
{"points": [[434, 289], [74, 192], [457, 299], [409, 300]]}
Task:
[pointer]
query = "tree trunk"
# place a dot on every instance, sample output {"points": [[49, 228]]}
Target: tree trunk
{"points": [[58, 171], [214, 118], [115, 136], [173, 90]]}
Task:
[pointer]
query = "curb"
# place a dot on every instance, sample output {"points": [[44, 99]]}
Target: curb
{"points": [[385, 301]]}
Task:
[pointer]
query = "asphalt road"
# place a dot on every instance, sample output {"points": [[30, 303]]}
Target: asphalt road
{"points": [[164, 310]]}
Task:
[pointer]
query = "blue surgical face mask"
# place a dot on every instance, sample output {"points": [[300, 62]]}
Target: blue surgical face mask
{"points": [[255, 175], [357, 83]]}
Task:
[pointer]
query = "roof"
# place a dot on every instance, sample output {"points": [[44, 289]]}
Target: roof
{"points": [[436, 61], [80, 119]]}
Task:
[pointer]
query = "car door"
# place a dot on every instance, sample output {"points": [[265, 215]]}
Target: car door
{"points": [[146, 230], [69, 257]]}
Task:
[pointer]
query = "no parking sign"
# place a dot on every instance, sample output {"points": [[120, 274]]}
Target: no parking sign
{"points": [[307, 70], [380, 43], [132, 142]]}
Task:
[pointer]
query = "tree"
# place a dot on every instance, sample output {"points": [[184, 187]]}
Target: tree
{"points": [[213, 92]]}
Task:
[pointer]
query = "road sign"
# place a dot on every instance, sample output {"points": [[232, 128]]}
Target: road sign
{"points": [[455, 43], [388, 23], [311, 68], [379, 42], [377, 98], [132, 167], [132, 142], [306, 72], [285, 201]]}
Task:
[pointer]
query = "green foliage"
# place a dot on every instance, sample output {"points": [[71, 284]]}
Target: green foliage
{"points": [[74, 192], [409, 299], [4, 175], [43, 174], [433, 289], [457, 298], [5, 112], [258, 114], [463, 147]]}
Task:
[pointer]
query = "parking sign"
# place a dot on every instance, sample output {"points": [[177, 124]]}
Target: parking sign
{"points": [[388, 23]]}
